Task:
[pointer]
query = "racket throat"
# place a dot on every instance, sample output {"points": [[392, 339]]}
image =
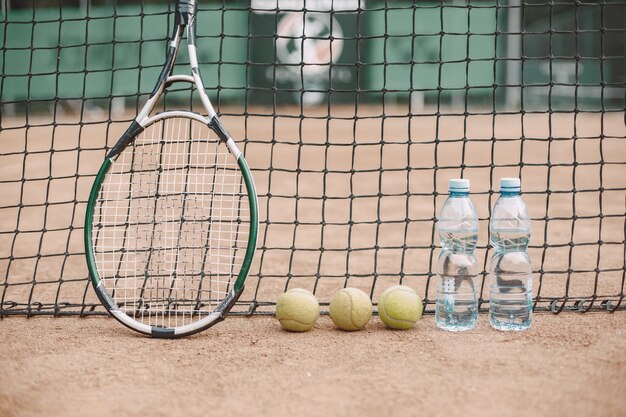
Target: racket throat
{"points": [[216, 125], [131, 133]]}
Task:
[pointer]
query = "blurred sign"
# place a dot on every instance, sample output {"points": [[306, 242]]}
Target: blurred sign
{"points": [[297, 57]]}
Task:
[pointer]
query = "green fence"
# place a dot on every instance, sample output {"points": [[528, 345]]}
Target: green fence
{"points": [[439, 51], [574, 59], [426, 47], [52, 53]]}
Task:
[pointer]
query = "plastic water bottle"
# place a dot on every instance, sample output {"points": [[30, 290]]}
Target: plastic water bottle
{"points": [[456, 307], [510, 279]]}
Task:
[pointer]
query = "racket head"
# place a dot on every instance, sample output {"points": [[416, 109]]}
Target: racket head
{"points": [[171, 227]]}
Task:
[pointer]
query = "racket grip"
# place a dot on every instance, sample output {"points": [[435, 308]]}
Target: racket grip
{"points": [[184, 10]]}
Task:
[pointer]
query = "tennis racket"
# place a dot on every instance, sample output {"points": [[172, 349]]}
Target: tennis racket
{"points": [[172, 218]]}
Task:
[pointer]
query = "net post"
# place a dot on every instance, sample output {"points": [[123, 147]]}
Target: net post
{"points": [[514, 59]]}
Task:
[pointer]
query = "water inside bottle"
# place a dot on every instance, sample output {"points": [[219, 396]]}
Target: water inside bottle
{"points": [[510, 308], [510, 240], [457, 307], [510, 299], [458, 241]]}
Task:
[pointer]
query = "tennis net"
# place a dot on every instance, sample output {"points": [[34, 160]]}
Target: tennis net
{"points": [[353, 116]]}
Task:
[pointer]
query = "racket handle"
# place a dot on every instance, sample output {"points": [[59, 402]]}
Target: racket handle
{"points": [[184, 10]]}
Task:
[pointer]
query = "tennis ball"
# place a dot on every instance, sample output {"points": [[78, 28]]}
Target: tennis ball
{"points": [[350, 309], [297, 310], [400, 307]]}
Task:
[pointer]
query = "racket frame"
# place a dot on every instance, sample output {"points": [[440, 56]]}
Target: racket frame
{"points": [[185, 24]]}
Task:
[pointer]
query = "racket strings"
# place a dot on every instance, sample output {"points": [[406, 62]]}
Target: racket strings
{"points": [[171, 224]]}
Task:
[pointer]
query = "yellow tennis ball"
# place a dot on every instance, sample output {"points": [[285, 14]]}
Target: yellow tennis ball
{"points": [[297, 310], [350, 309], [400, 307]]}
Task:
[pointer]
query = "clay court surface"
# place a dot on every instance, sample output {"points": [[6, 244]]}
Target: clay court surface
{"points": [[566, 365]]}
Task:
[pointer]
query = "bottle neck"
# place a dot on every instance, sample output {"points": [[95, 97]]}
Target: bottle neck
{"points": [[509, 193], [459, 194]]}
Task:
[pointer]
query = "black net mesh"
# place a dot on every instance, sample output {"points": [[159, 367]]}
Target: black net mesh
{"points": [[353, 115]]}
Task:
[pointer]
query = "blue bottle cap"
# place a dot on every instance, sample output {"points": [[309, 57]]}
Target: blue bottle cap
{"points": [[458, 185], [510, 185]]}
